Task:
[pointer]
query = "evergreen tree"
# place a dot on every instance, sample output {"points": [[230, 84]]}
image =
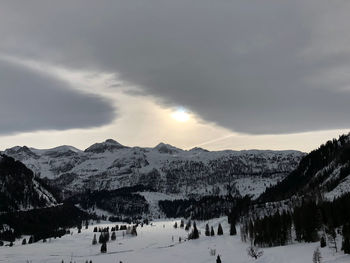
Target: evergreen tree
{"points": [[24, 241], [323, 242], [30, 241], [212, 233], [182, 223], [346, 245], [113, 236], [220, 231], [94, 240], [207, 231], [188, 225], [218, 259], [104, 247], [233, 230], [175, 225], [133, 231], [194, 234]]}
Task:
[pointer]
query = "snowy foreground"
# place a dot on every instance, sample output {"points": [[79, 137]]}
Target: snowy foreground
{"points": [[155, 244]]}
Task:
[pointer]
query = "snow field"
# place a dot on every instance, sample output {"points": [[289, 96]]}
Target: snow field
{"points": [[154, 244]]}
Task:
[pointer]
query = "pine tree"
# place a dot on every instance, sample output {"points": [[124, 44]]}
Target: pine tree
{"points": [[24, 241], [218, 259], [233, 230], [94, 240], [194, 234], [188, 225], [30, 240], [134, 231], [113, 236], [104, 247], [346, 245], [182, 223], [220, 231], [101, 238], [323, 242], [207, 231], [212, 233], [175, 225]]}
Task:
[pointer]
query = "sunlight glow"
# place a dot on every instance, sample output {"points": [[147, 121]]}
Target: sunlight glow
{"points": [[180, 115]]}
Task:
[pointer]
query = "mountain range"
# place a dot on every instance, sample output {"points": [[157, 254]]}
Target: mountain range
{"points": [[164, 168]]}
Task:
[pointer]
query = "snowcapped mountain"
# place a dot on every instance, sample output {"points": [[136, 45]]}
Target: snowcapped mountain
{"points": [[166, 169], [325, 171], [19, 190]]}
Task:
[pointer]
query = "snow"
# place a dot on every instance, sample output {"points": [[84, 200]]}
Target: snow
{"points": [[154, 244]]}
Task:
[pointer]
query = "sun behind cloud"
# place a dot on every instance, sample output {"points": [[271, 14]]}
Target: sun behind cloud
{"points": [[180, 115]]}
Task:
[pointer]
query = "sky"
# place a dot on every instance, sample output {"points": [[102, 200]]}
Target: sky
{"points": [[223, 74]]}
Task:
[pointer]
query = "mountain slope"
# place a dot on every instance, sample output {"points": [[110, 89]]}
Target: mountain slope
{"points": [[325, 170], [167, 169], [19, 190]]}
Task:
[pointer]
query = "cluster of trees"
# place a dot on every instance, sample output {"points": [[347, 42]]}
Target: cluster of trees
{"points": [[274, 230], [105, 235], [205, 208], [311, 221], [41, 223], [124, 201], [209, 231]]}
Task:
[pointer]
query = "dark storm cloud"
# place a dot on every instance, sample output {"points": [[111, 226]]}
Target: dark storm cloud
{"points": [[30, 101], [251, 66]]}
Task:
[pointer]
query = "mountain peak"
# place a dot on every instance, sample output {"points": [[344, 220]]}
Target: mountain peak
{"points": [[198, 149], [22, 152], [167, 148], [107, 145]]}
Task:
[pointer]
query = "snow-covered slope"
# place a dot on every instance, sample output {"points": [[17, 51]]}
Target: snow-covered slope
{"points": [[325, 170], [159, 243], [19, 190], [164, 168]]}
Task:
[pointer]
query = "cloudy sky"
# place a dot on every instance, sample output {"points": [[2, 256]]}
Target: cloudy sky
{"points": [[217, 74]]}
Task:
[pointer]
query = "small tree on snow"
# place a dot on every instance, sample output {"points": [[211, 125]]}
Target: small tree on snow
{"points": [[218, 259], [182, 223], [316, 258], [194, 234], [220, 231], [212, 233], [207, 231], [346, 245], [254, 252], [113, 236], [323, 242], [104, 247], [233, 230], [94, 240]]}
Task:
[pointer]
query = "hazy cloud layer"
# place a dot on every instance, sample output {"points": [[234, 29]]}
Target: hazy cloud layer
{"points": [[30, 101], [251, 66]]}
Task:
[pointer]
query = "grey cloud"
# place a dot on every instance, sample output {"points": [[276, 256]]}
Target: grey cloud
{"points": [[30, 102], [251, 66]]}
